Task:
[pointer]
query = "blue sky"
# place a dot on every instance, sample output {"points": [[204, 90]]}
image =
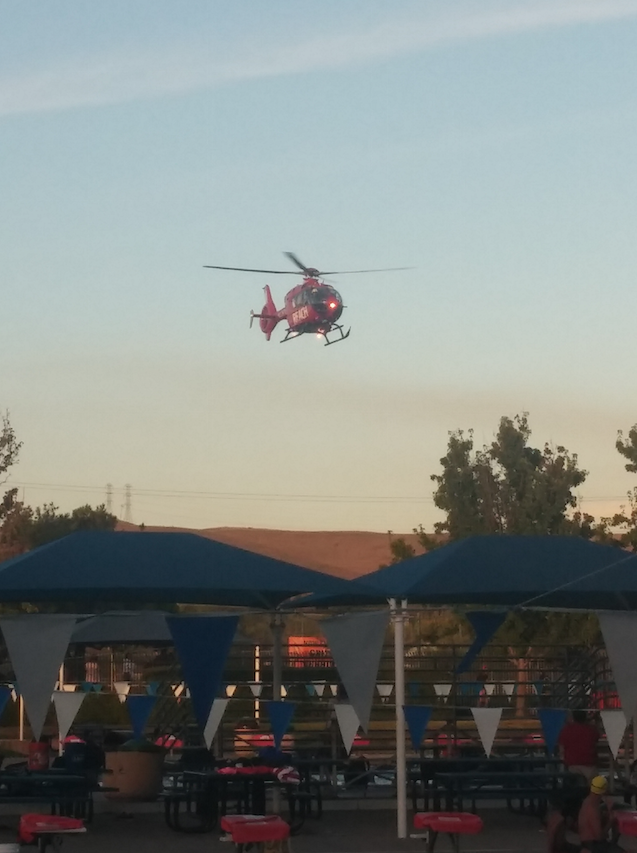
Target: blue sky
{"points": [[491, 146]]}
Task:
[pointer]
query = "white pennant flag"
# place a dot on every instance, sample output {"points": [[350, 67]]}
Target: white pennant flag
{"points": [[487, 721], [356, 644], [216, 713], [256, 687], [384, 690], [319, 686], [348, 723], [69, 688], [442, 690], [231, 689], [37, 645], [489, 688], [66, 707], [334, 689], [508, 687], [122, 689], [619, 630], [614, 725]]}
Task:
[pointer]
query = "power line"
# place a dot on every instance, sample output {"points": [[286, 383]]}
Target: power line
{"points": [[179, 493], [269, 496]]}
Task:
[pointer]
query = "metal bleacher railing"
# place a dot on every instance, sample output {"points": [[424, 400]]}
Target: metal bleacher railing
{"points": [[552, 676]]}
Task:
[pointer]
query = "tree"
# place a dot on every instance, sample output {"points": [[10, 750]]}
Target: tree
{"points": [[507, 486], [9, 452], [621, 528], [400, 550], [32, 528], [9, 504], [628, 448], [510, 486]]}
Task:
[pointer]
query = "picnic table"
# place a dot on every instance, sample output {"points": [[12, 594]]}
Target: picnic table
{"points": [[194, 800], [423, 773], [67, 794], [514, 786]]}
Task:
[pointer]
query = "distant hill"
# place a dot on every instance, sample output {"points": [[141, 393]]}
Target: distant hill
{"points": [[346, 554]]}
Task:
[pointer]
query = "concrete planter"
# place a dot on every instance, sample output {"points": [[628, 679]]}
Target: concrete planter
{"points": [[137, 775]]}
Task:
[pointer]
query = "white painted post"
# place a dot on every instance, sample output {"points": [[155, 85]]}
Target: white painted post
{"points": [[21, 716], [398, 613], [257, 678]]}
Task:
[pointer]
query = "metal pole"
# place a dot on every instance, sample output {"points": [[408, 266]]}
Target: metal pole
{"points": [[21, 715], [257, 680], [277, 677], [60, 687], [398, 614], [277, 656]]}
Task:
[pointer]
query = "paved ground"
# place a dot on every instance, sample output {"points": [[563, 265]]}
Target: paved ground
{"points": [[364, 830], [370, 830]]}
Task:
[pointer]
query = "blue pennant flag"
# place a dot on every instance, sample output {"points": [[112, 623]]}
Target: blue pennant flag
{"points": [[97, 688], [417, 718], [552, 720], [87, 686], [413, 688], [5, 695], [539, 687], [152, 687], [469, 688], [311, 690], [280, 714], [139, 708], [202, 644], [484, 623]]}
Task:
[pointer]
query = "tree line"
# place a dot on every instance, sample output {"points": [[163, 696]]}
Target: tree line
{"points": [[511, 486]]}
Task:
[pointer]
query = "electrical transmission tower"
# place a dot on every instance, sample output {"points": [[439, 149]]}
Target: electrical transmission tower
{"points": [[109, 497], [128, 511]]}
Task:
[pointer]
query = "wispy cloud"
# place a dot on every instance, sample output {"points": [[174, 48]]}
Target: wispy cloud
{"points": [[118, 78]]}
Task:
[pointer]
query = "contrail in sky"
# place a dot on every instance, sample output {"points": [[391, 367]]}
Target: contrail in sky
{"points": [[119, 78]]}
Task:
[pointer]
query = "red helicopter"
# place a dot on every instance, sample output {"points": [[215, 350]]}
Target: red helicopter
{"points": [[312, 306]]}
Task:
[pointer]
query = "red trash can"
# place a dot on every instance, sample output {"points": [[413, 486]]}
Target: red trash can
{"points": [[38, 756]]}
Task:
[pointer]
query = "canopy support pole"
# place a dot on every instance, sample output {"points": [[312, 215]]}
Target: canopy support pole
{"points": [[20, 717], [277, 656], [276, 627], [398, 615]]}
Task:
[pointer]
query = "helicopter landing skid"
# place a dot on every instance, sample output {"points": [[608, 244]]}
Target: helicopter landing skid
{"points": [[342, 334], [291, 334]]}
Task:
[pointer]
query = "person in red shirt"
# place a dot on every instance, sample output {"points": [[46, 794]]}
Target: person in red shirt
{"points": [[578, 746]]}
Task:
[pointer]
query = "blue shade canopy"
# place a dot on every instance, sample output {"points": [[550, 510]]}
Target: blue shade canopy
{"points": [[163, 567], [130, 628], [539, 571]]}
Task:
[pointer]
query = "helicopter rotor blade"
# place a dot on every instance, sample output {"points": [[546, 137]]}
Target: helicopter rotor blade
{"points": [[297, 262], [243, 269], [353, 272]]}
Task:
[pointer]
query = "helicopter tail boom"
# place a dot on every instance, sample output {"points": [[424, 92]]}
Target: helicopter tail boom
{"points": [[268, 318]]}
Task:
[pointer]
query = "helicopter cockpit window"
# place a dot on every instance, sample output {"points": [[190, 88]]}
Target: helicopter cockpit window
{"points": [[319, 295]]}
